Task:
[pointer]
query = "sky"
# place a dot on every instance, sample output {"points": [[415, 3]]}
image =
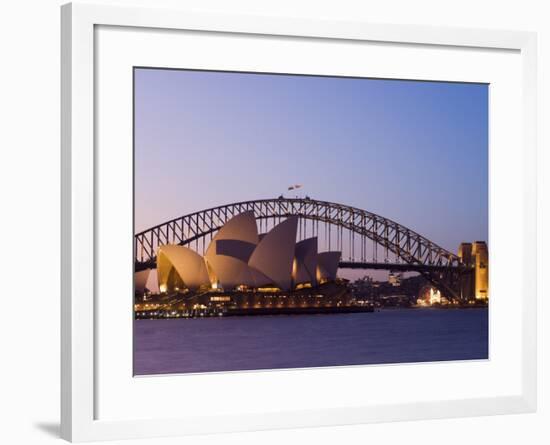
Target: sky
{"points": [[412, 151]]}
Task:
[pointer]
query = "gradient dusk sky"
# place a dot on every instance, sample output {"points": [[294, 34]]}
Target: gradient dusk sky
{"points": [[414, 152]]}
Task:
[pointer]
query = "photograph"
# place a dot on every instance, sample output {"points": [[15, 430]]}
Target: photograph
{"points": [[286, 221], [275, 222]]}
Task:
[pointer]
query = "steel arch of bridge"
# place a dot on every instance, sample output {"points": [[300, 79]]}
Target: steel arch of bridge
{"points": [[416, 252]]}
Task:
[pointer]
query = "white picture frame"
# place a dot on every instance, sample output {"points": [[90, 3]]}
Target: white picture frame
{"points": [[79, 410]]}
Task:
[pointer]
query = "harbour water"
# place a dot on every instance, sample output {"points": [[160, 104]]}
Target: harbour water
{"points": [[300, 341]]}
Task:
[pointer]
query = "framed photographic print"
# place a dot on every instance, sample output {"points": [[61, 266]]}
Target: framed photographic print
{"points": [[274, 223]]}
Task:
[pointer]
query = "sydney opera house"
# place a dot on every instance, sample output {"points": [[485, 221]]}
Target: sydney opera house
{"points": [[243, 270]]}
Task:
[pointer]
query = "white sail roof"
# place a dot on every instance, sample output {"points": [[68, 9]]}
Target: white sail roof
{"points": [[275, 253], [140, 280], [327, 266], [241, 227], [231, 272], [305, 265], [188, 264]]}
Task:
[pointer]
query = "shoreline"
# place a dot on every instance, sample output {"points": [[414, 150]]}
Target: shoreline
{"points": [[259, 312]]}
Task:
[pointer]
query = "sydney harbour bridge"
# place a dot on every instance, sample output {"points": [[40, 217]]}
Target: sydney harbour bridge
{"points": [[366, 240]]}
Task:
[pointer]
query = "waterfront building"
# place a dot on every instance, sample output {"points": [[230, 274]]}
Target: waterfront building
{"points": [[246, 272], [239, 258]]}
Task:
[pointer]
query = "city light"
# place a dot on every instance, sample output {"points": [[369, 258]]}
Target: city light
{"points": [[435, 296]]}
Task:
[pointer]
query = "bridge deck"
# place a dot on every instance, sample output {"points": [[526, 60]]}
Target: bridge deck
{"points": [[397, 267]]}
